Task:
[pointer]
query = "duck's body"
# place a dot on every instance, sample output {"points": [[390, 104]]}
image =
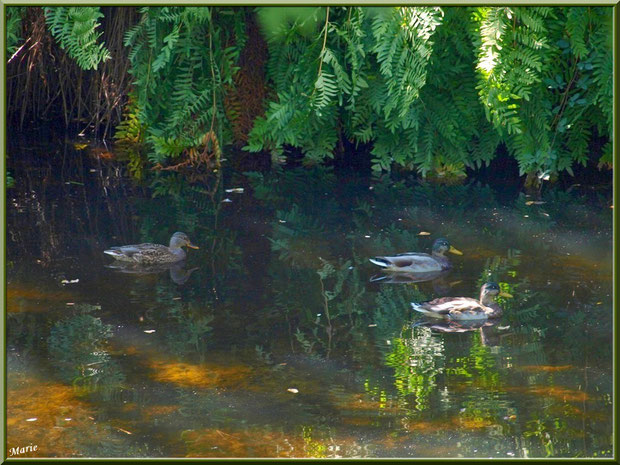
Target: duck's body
{"points": [[404, 277], [414, 262], [464, 308], [153, 254]]}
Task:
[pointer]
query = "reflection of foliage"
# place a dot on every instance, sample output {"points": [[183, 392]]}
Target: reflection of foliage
{"points": [[281, 188], [189, 332], [392, 305], [291, 235], [538, 429], [77, 346], [129, 137], [313, 448], [417, 360], [341, 295]]}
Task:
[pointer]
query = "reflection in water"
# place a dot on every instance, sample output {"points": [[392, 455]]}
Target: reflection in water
{"points": [[279, 343], [178, 273], [489, 334]]}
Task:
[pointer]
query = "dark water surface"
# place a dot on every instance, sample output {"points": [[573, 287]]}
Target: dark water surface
{"points": [[271, 341]]}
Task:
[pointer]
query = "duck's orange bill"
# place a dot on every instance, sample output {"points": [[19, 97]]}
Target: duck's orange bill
{"points": [[193, 246], [455, 251]]}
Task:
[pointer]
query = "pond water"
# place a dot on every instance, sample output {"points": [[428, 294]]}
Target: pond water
{"points": [[272, 339]]}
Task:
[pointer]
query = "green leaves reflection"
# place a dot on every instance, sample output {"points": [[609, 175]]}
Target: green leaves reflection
{"points": [[474, 378], [77, 345]]}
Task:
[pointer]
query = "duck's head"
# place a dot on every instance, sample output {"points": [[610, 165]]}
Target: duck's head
{"points": [[180, 239], [441, 246], [489, 291]]}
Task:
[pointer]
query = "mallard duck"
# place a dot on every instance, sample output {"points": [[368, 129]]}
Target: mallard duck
{"points": [[152, 254], [465, 308], [413, 262]]}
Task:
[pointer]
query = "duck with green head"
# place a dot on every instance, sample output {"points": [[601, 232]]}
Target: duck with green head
{"points": [[414, 262], [153, 254], [465, 308]]}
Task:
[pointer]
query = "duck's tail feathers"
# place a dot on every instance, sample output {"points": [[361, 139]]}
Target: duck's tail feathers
{"points": [[377, 278], [116, 253], [380, 261], [418, 308]]}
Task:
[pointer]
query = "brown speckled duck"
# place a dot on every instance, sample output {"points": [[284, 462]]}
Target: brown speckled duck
{"points": [[465, 308], [153, 254]]}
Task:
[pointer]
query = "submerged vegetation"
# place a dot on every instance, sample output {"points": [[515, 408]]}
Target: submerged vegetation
{"points": [[277, 343], [433, 90]]}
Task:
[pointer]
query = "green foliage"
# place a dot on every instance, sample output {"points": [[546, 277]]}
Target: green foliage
{"points": [[438, 89], [181, 59], [10, 182], [426, 89], [75, 28], [13, 29], [545, 81]]}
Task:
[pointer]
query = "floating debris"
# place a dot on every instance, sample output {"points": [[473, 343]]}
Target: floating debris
{"points": [[70, 281], [293, 390], [32, 419], [235, 190], [124, 430], [226, 200], [373, 325], [149, 331], [70, 303], [534, 202], [424, 233]]}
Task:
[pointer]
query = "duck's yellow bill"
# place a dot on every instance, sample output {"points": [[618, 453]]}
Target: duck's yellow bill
{"points": [[505, 294], [455, 251], [193, 246]]}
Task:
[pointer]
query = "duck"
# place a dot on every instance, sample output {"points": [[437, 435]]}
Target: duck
{"points": [[153, 254], [414, 262], [465, 308]]}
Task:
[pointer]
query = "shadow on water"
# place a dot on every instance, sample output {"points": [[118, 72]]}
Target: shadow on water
{"points": [[273, 339]]}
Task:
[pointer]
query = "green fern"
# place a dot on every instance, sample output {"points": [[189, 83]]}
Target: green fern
{"points": [[75, 28]]}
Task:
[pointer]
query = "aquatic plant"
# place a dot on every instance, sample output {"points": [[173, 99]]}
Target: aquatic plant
{"points": [[77, 345]]}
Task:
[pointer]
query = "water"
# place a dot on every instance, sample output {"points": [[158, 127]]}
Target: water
{"points": [[271, 341]]}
